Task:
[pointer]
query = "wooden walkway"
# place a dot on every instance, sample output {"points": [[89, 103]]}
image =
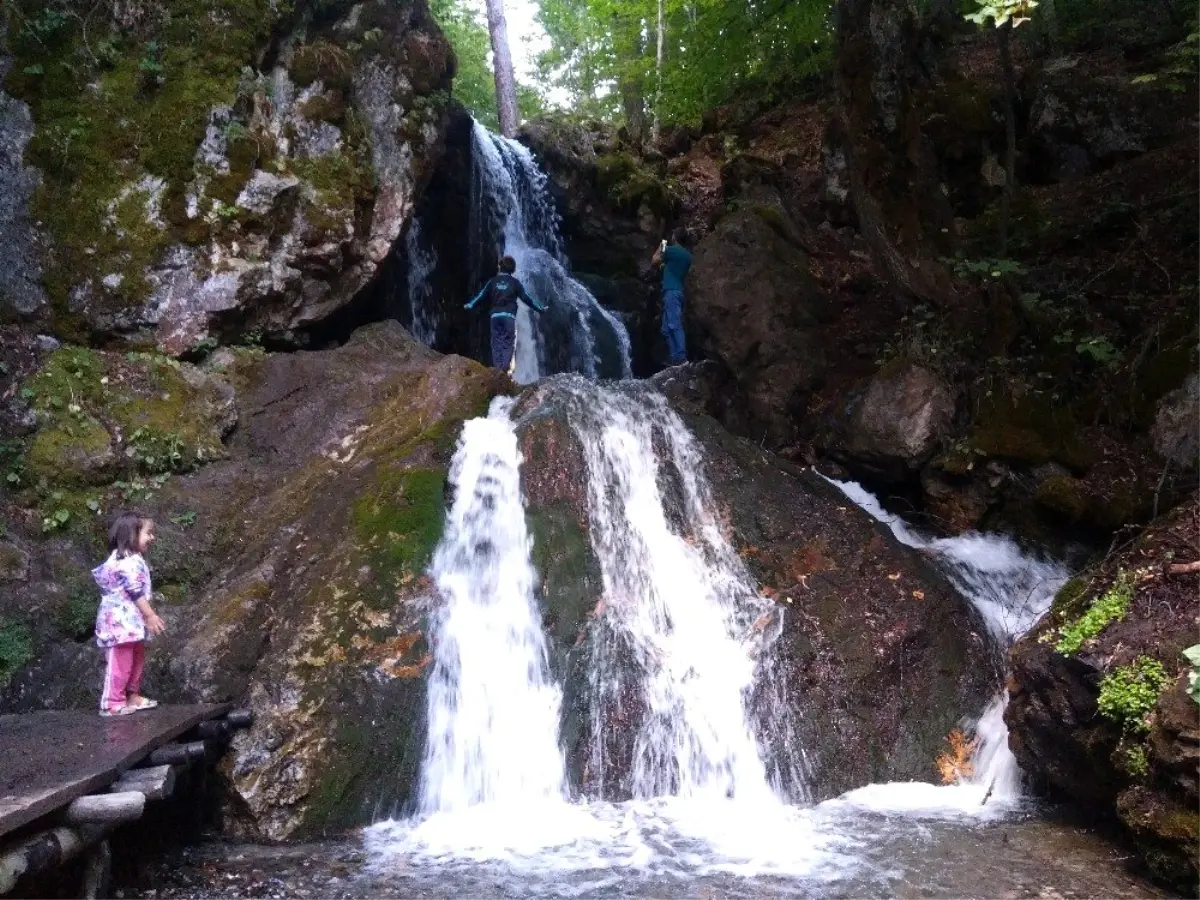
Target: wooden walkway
{"points": [[47, 759]]}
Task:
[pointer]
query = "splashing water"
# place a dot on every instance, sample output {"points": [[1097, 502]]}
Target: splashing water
{"points": [[422, 260], [683, 627], [681, 670], [492, 708], [513, 212], [1011, 590]]}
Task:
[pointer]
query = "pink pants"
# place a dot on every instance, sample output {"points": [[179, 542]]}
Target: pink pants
{"points": [[123, 675]]}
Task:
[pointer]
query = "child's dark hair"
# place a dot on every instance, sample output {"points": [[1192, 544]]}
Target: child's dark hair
{"points": [[508, 265], [680, 236], [123, 535]]}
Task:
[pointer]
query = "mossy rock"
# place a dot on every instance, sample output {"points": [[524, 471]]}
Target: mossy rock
{"points": [[78, 452], [1065, 496], [627, 184], [398, 523], [102, 415], [1032, 430], [1072, 598]]}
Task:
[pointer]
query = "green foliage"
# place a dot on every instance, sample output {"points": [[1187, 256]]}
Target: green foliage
{"points": [[185, 519], [603, 52], [473, 84], [1129, 693], [12, 463], [156, 451], [1137, 760], [1192, 655], [983, 269], [16, 648], [1002, 11], [77, 618], [1111, 606]]}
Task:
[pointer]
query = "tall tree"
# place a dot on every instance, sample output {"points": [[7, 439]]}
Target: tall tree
{"points": [[506, 79], [890, 165], [658, 75]]}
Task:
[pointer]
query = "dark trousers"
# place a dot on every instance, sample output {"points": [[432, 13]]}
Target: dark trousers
{"points": [[504, 337], [672, 327]]}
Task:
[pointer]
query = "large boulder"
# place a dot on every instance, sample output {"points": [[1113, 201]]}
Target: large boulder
{"points": [[1176, 429], [272, 199], [880, 657], [1098, 707], [754, 307], [290, 572], [890, 428]]}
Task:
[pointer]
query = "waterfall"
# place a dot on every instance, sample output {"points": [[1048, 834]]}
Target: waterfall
{"points": [[682, 626], [1011, 591], [513, 214], [422, 261], [493, 710]]}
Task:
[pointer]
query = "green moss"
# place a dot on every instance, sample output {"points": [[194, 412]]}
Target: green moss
{"points": [[103, 125], [1031, 429], [399, 523], [1129, 693], [340, 181], [320, 60], [324, 107], [774, 218], [77, 616], [1111, 606], [626, 184], [12, 562], [1069, 599], [16, 648], [76, 450], [1064, 495]]}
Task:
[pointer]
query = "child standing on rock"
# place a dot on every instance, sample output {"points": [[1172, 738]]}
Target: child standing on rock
{"points": [[125, 615]]}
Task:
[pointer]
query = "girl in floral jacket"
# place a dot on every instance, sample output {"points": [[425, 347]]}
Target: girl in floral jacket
{"points": [[125, 615]]}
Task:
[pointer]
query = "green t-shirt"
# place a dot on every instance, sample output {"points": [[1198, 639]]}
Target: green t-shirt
{"points": [[676, 262]]}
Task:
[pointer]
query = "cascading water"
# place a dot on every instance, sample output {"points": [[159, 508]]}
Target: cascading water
{"points": [[512, 213], [1011, 591], [682, 627], [422, 260], [492, 709], [683, 641]]}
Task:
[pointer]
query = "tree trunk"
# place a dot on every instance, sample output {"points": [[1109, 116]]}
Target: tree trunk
{"points": [[656, 128], [506, 80], [1010, 134], [891, 169]]}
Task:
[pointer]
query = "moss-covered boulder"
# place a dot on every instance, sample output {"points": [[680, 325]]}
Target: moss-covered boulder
{"points": [[271, 197], [1098, 710]]}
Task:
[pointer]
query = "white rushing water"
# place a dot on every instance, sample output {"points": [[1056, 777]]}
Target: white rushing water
{"points": [[422, 261], [493, 710], [1011, 590], [513, 214], [682, 692]]}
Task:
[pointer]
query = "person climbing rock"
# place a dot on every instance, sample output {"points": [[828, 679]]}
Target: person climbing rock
{"points": [[503, 291], [675, 260]]}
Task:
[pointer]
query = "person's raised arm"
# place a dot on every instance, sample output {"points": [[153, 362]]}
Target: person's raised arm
{"points": [[657, 258], [483, 290], [528, 301]]}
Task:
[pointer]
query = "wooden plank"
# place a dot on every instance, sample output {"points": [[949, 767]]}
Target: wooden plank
{"points": [[50, 758]]}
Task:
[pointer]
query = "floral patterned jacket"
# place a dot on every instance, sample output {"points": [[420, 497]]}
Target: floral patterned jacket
{"points": [[123, 580]]}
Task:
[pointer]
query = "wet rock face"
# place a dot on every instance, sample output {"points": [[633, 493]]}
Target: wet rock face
{"points": [[1139, 767], [288, 187], [881, 657], [289, 565], [21, 292], [752, 305]]}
